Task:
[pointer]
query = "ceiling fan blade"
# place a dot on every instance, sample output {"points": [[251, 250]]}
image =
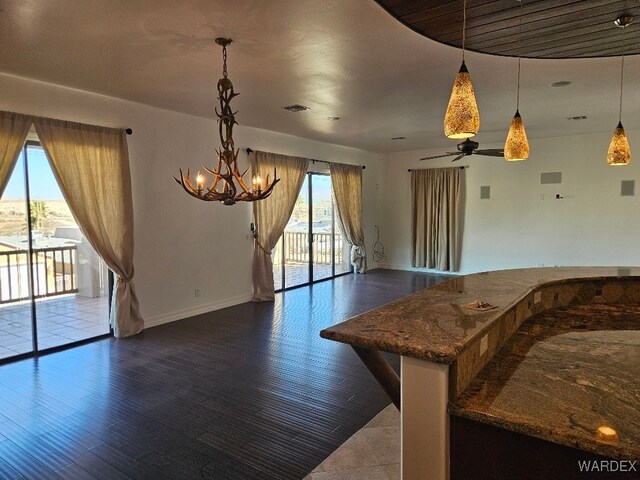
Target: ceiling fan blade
{"points": [[448, 154], [490, 152], [459, 157]]}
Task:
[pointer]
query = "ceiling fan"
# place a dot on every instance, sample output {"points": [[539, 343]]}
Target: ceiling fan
{"points": [[469, 147]]}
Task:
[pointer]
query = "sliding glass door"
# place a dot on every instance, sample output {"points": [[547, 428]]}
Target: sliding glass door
{"points": [[312, 246], [16, 332], [53, 286], [322, 228]]}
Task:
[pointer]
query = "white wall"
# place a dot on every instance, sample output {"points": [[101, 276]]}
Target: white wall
{"points": [[181, 244], [523, 224]]}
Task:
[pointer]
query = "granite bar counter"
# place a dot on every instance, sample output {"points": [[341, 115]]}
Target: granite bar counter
{"points": [[444, 348], [569, 376]]}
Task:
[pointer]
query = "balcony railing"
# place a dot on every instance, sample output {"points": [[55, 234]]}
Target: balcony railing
{"points": [[53, 269], [296, 248]]}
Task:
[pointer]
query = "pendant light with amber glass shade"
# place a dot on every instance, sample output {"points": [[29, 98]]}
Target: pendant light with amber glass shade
{"points": [[619, 152], [462, 119], [516, 146]]}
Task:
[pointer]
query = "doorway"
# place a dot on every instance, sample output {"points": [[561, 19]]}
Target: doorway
{"points": [[312, 247], [53, 285]]}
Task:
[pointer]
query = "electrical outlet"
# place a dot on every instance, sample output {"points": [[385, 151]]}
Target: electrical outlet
{"points": [[196, 292], [484, 344]]}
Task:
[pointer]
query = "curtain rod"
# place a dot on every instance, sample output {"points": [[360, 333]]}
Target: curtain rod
{"points": [[128, 130], [250, 151], [410, 170]]}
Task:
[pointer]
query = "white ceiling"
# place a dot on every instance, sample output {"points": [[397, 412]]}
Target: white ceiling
{"points": [[345, 58]]}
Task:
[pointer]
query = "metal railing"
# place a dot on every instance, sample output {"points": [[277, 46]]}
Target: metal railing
{"points": [[296, 248], [53, 269]]}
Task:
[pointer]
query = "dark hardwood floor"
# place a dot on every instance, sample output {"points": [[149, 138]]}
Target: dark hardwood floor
{"points": [[248, 392]]}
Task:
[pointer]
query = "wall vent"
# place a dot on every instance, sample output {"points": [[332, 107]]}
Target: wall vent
{"points": [[627, 188], [550, 177]]}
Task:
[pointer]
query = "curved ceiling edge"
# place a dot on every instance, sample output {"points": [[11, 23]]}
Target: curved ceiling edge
{"points": [[551, 29]]}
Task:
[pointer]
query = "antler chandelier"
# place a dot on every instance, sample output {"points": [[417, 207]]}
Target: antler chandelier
{"points": [[222, 187]]}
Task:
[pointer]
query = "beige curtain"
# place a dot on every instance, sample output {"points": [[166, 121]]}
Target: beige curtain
{"points": [[436, 218], [346, 182], [272, 214], [91, 165], [14, 128]]}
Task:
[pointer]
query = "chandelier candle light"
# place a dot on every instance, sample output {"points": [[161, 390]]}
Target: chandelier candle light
{"points": [[516, 146], [619, 152], [222, 187], [462, 119]]}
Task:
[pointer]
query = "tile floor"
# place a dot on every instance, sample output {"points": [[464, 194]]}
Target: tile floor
{"points": [[60, 320], [372, 453]]}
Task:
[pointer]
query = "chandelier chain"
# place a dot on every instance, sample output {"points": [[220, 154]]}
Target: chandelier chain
{"points": [[224, 61]]}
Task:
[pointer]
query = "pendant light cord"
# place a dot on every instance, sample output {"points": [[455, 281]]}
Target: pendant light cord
{"points": [[464, 25], [519, 59], [621, 83]]}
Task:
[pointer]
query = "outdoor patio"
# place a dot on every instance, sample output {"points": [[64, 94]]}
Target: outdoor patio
{"points": [[61, 320], [298, 274]]}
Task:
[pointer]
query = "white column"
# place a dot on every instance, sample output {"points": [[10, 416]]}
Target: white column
{"points": [[425, 421]]}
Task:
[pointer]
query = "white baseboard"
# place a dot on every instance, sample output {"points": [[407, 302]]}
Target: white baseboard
{"points": [[190, 312], [408, 268]]}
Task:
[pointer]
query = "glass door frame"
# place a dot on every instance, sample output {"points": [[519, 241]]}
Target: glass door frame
{"points": [[310, 175], [36, 351]]}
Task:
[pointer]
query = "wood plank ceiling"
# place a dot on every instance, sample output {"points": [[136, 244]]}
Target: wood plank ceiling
{"points": [[550, 28]]}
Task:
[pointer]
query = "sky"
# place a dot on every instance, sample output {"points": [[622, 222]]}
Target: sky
{"points": [[321, 188], [42, 183]]}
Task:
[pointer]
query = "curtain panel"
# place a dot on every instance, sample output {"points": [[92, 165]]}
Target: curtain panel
{"points": [[436, 218], [272, 214], [14, 129], [346, 181], [91, 165]]}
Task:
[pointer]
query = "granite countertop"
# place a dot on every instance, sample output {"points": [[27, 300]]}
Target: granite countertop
{"points": [[563, 376], [433, 325]]}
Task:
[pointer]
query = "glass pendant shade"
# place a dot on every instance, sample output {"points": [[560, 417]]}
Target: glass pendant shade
{"points": [[619, 152], [517, 146], [462, 119]]}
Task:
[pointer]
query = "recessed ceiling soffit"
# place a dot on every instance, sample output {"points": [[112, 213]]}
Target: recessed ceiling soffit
{"points": [[550, 28]]}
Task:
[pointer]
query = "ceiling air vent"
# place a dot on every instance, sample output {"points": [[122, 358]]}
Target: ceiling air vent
{"points": [[296, 108], [398, 138], [577, 117], [561, 83]]}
